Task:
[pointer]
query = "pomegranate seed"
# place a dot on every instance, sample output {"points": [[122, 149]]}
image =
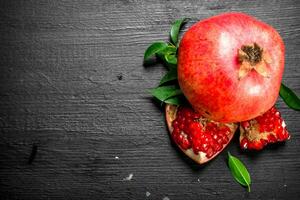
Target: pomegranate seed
{"points": [[180, 138], [204, 147], [215, 137], [176, 130], [209, 153], [279, 121], [211, 127], [271, 127], [175, 123], [271, 138], [284, 135], [188, 121], [181, 125], [245, 124], [262, 128], [273, 110], [207, 138], [279, 128], [188, 114], [277, 114], [196, 146], [217, 147], [186, 144], [244, 143], [195, 126], [225, 139], [225, 130], [196, 115], [280, 135], [263, 142], [220, 141], [257, 145]]}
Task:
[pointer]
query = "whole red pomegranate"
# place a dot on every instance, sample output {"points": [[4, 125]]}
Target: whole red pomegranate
{"points": [[230, 67]]}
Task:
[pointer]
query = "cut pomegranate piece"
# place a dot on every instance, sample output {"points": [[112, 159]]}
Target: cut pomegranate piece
{"points": [[199, 138], [262, 130]]}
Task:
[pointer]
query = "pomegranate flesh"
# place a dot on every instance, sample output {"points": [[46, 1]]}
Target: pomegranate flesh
{"points": [[264, 129], [199, 138], [230, 67]]}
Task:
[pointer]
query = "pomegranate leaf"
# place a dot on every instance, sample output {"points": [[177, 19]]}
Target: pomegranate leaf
{"points": [[171, 59], [239, 171], [168, 55], [289, 97], [170, 49], [154, 48], [175, 30], [176, 100], [164, 93], [169, 76]]}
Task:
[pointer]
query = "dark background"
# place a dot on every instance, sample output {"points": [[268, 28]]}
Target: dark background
{"points": [[73, 85]]}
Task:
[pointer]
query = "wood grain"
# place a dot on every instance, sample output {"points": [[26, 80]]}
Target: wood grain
{"points": [[60, 89]]}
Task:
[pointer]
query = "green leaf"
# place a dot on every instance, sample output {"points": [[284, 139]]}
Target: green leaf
{"points": [[167, 51], [168, 56], [171, 59], [177, 100], [175, 30], [165, 92], [154, 48], [239, 171], [171, 75], [289, 97], [170, 49]]}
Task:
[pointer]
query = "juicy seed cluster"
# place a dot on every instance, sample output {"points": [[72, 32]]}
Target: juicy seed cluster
{"points": [[265, 129], [190, 130]]}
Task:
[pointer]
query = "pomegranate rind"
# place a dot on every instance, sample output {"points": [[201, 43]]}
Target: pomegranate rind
{"points": [[170, 114]]}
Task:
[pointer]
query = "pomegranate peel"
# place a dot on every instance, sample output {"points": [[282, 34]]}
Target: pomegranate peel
{"points": [[201, 152]]}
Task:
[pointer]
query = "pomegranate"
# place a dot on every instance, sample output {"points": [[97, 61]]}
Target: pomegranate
{"points": [[230, 67], [199, 138], [264, 129]]}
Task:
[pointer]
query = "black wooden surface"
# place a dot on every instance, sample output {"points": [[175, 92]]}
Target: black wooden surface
{"points": [[76, 118]]}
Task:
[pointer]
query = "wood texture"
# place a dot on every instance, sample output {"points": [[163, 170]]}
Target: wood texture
{"points": [[73, 86]]}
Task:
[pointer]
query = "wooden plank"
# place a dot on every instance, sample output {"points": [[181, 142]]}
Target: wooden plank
{"points": [[60, 89]]}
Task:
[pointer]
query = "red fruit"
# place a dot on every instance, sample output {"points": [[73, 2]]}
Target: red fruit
{"points": [[199, 138], [244, 143], [265, 129], [230, 67]]}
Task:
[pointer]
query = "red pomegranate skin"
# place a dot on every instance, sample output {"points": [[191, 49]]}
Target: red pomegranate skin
{"points": [[208, 67]]}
